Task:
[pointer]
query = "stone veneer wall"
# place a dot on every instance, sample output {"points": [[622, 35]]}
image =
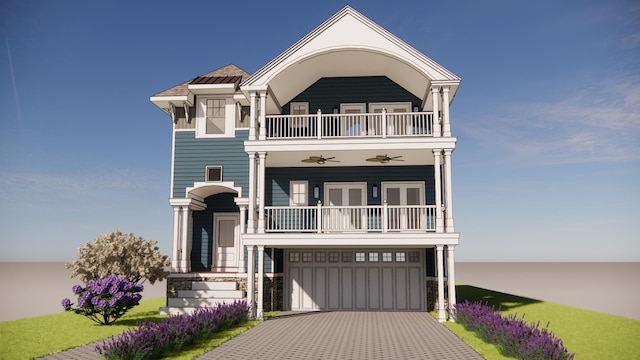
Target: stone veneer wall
{"points": [[432, 293], [273, 287]]}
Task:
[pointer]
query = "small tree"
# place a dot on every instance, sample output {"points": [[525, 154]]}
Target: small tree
{"points": [[120, 254]]}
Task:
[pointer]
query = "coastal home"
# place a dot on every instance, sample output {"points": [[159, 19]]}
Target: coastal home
{"points": [[322, 181]]}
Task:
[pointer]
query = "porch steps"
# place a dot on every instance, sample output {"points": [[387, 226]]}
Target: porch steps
{"points": [[203, 293]]}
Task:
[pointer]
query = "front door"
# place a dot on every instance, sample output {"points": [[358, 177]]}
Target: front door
{"points": [[226, 234], [345, 208]]}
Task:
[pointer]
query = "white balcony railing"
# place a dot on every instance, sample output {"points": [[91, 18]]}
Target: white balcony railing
{"points": [[325, 219], [324, 126]]}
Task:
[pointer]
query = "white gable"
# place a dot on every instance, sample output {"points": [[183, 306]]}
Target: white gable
{"points": [[349, 44]]}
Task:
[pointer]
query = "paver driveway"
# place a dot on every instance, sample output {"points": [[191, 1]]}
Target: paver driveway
{"points": [[346, 335]]}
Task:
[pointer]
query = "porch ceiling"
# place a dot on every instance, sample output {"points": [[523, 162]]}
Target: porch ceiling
{"points": [[345, 62], [348, 158]]}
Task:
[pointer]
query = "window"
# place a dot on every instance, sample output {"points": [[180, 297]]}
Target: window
{"points": [[321, 257], [373, 257], [299, 108], [414, 256], [400, 256], [347, 257], [298, 193], [294, 257], [242, 116], [214, 173], [360, 257], [215, 116], [334, 256], [307, 256], [387, 257]]}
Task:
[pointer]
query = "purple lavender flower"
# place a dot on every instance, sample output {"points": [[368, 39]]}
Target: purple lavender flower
{"points": [[66, 303], [77, 289]]}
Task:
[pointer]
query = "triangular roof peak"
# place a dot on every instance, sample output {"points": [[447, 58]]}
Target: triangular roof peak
{"points": [[349, 44]]}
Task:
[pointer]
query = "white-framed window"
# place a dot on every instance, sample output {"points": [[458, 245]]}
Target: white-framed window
{"points": [[299, 108], [307, 256], [298, 193], [387, 256], [373, 256], [360, 257], [214, 173], [215, 117], [294, 257], [401, 256]]}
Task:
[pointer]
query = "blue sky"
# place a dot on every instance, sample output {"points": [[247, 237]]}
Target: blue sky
{"points": [[547, 115]]}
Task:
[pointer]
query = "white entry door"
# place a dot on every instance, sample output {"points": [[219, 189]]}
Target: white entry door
{"points": [[345, 206], [353, 125], [226, 234]]}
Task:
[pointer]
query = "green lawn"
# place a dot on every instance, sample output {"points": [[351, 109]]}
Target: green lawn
{"points": [[588, 334]]}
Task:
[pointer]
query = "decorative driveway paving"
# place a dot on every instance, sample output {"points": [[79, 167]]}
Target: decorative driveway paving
{"points": [[346, 335]]}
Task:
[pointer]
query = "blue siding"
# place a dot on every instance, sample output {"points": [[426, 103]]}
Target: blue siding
{"points": [[326, 93], [192, 156], [277, 180]]}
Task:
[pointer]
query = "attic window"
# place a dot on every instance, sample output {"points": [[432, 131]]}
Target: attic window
{"points": [[214, 173]]}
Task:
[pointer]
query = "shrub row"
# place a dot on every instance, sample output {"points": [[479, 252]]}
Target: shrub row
{"points": [[512, 334], [153, 340]]}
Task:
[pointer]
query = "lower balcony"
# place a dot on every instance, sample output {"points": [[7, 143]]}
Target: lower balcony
{"points": [[338, 219]]}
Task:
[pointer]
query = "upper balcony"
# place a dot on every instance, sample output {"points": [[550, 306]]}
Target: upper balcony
{"points": [[332, 126]]}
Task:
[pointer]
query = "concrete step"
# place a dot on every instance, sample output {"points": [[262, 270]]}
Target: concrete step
{"points": [[202, 294], [214, 285], [192, 302]]}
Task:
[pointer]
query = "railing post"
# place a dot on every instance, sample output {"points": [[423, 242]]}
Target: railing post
{"points": [[384, 123], [385, 217], [319, 217], [319, 124]]}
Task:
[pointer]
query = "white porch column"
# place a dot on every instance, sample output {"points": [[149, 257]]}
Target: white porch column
{"points": [[263, 115], [251, 278], [185, 240], [251, 224], [260, 300], [438, 189], [436, 122], [252, 115], [451, 276], [442, 313], [242, 204], [175, 259], [446, 127], [261, 179], [448, 194]]}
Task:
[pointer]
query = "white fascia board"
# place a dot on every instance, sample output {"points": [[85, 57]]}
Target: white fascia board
{"points": [[344, 240], [355, 144], [241, 98], [164, 102], [206, 89]]}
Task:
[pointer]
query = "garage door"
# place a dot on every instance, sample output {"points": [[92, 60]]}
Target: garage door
{"points": [[380, 280]]}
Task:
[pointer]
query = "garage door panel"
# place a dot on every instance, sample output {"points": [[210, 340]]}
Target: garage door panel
{"points": [[401, 288], [306, 290], [294, 275], [320, 286], [361, 288], [374, 288], [334, 291], [347, 288], [387, 292], [414, 284]]}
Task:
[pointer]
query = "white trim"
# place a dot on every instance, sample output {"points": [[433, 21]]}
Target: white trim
{"points": [[388, 105], [345, 239], [403, 185], [361, 185]]}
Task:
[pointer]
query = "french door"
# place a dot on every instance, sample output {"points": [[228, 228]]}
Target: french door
{"points": [[345, 208], [404, 200]]}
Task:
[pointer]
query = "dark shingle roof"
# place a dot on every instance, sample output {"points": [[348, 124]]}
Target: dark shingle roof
{"points": [[225, 75]]}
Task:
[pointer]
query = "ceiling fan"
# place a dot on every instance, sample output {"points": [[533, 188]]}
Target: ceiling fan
{"points": [[319, 159], [383, 159]]}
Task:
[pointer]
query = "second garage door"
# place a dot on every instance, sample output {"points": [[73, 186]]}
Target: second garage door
{"points": [[371, 279]]}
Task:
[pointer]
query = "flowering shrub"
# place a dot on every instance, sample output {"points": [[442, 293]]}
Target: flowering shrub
{"points": [[121, 254], [105, 300], [517, 338], [153, 340]]}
